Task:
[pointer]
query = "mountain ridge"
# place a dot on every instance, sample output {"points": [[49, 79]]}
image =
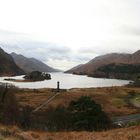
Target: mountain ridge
{"points": [[7, 65], [31, 64], [90, 67]]}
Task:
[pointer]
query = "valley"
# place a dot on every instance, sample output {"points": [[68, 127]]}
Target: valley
{"points": [[25, 100], [69, 69]]}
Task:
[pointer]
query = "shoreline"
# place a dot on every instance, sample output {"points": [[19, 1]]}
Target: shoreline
{"points": [[21, 80]]}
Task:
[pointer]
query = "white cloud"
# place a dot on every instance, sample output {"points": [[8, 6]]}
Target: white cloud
{"points": [[75, 30], [65, 64]]}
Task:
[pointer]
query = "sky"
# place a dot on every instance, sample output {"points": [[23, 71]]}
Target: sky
{"points": [[65, 33]]}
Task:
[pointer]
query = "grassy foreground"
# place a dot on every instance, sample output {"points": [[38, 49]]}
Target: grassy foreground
{"points": [[115, 101], [14, 133]]}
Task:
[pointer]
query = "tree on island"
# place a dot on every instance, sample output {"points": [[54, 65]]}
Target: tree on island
{"points": [[37, 76]]}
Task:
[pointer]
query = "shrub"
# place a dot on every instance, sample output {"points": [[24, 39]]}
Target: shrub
{"points": [[80, 115], [9, 109], [87, 115], [57, 119]]}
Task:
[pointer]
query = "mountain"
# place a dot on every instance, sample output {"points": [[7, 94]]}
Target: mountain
{"points": [[8, 66], [99, 61], [136, 57], [31, 64], [113, 58]]}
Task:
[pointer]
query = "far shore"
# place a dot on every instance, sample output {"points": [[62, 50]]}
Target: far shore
{"points": [[19, 80]]}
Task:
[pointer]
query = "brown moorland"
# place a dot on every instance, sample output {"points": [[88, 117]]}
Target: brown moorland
{"points": [[14, 133], [114, 100]]}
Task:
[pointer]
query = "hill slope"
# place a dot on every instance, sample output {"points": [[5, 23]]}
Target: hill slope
{"points": [[31, 64], [118, 71], [112, 58], [8, 66]]}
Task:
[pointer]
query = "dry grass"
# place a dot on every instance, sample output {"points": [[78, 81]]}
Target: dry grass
{"points": [[132, 133], [14, 133], [111, 99]]}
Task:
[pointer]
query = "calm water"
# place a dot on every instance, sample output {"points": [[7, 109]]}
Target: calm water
{"points": [[67, 81]]}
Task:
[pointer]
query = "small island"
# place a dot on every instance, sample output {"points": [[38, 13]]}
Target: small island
{"points": [[33, 77], [37, 76]]}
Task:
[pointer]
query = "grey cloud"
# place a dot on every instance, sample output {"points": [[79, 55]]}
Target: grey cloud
{"points": [[58, 49], [90, 50], [5, 32], [11, 48], [45, 51], [131, 30], [39, 50], [12, 37]]}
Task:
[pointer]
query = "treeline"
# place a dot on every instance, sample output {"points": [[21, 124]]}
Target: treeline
{"points": [[121, 68], [118, 71]]}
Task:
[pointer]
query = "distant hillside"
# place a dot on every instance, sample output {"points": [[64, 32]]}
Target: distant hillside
{"points": [[31, 64], [8, 66], [100, 61], [118, 71]]}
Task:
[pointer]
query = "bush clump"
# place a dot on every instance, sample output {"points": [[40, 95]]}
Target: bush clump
{"points": [[9, 108], [83, 114]]}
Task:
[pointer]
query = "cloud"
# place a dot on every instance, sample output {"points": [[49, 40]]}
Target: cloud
{"points": [[64, 63], [69, 31], [12, 37], [49, 53], [64, 57], [131, 30], [40, 50]]}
